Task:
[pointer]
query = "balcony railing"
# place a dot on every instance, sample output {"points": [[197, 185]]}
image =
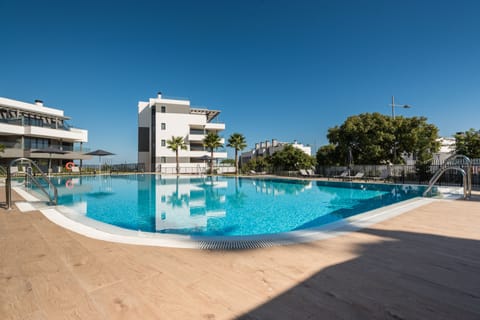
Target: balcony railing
{"points": [[197, 131], [20, 122]]}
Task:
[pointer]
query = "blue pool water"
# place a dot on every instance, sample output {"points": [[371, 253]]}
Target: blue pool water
{"points": [[220, 205]]}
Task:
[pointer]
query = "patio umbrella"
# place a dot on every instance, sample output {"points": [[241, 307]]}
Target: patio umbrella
{"points": [[100, 153], [50, 151], [350, 160], [204, 158]]}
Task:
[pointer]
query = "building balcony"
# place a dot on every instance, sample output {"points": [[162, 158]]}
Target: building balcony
{"points": [[200, 154], [215, 126], [199, 138], [196, 137], [73, 134], [20, 153]]}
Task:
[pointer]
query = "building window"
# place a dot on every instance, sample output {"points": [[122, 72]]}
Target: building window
{"points": [[164, 126], [163, 159], [163, 143], [163, 109]]}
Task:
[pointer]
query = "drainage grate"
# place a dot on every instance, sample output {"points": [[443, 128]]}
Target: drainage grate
{"points": [[236, 244]]}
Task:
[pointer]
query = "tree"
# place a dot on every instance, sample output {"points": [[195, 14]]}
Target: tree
{"points": [[212, 141], [228, 161], [374, 138], [291, 158], [468, 143], [175, 144], [326, 155], [258, 164], [238, 142]]}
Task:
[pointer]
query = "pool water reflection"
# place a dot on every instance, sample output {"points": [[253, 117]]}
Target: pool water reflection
{"points": [[220, 205]]}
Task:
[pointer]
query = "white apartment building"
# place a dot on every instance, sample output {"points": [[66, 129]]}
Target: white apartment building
{"points": [[447, 149], [28, 128], [160, 119], [268, 147]]}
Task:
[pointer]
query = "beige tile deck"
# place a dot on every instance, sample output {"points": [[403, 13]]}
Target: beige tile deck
{"points": [[424, 264]]}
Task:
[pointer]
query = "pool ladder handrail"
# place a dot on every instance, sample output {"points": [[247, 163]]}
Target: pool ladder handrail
{"points": [[28, 173], [200, 172], [451, 163]]}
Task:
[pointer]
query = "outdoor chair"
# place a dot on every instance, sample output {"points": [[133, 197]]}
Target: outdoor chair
{"points": [[358, 176], [257, 173], [383, 176], [304, 173], [342, 175]]}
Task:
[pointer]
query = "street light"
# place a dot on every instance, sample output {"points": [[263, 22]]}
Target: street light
{"points": [[405, 106]]}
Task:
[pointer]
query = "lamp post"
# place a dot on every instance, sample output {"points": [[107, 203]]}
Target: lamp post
{"points": [[405, 106]]}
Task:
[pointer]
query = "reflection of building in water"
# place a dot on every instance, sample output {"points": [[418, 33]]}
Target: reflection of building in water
{"points": [[275, 188], [184, 203]]}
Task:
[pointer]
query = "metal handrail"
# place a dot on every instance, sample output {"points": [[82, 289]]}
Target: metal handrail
{"points": [[467, 174], [439, 173], [8, 182]]}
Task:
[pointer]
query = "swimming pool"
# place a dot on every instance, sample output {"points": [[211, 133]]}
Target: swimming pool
{"points": [[221, 206]]}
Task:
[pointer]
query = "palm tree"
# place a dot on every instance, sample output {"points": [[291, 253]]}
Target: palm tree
{"points": [[212, 141], [238, 142], [175, 144]]}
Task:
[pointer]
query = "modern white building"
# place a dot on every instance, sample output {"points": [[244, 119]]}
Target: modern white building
{"points": [[181, 203], [162, 118], [268, 147], [447, 148], [28, 128]]}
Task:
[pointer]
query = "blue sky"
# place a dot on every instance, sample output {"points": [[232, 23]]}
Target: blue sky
{"points": [[276, 69]]}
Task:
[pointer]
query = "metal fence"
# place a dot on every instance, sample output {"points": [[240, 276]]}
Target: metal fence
{"points": [[122, 167], [406, 173]]}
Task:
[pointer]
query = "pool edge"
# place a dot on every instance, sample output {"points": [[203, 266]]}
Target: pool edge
{"points": [[96, 230]]}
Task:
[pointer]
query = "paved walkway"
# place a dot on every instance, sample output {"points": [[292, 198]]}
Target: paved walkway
{"points": [[424, 264]]}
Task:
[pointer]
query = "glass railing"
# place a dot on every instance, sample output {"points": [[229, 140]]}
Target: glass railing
{"points": [[11, 144], [14, 121], [18, 122]]}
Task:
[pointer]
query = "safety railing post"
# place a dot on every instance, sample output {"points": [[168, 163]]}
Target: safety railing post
{"points": [[8, 189]]}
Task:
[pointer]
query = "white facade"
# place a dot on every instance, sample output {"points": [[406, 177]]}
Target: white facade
{"points": [[160, 119], [267, 147], [27, 127], [447, 148]]}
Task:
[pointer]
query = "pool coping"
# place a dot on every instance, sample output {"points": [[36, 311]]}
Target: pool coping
{"points": [[101, 231]]}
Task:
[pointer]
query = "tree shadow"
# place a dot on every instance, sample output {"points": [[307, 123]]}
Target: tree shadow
{"points": [[406, 275]]}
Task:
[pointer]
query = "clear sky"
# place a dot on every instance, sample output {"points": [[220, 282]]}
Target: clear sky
{"points": [[276, 69]]}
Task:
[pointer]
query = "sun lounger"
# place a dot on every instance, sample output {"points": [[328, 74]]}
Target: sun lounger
{"points": [[303, 173], [384, 176], [311, 173], [342, 175], [359, 175]]}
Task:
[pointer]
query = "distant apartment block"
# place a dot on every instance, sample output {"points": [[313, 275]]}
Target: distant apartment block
{"points": [[447, 149], [268, 147], [161, 118], [27, 128]]}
